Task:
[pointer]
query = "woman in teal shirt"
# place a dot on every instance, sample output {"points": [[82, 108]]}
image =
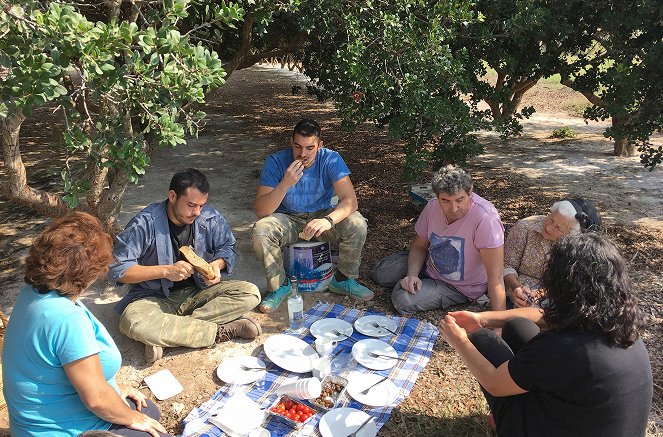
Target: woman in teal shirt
{"points": [[59, 362]]}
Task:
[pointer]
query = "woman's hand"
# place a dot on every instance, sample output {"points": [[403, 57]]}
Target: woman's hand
{"points": [[522, 296], [467, 320], [142, 422], [454, 334], [135, 395], [411, 284]]}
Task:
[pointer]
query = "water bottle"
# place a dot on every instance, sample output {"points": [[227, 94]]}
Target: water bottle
{"points": [[295, 308]]}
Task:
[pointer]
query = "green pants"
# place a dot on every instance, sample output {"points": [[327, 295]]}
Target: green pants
{"points": [[190, 316], [273, 232]]}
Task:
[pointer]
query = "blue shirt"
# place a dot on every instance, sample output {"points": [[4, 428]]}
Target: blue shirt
{"points": [[313, 192], [45, 332], [146, 241]]}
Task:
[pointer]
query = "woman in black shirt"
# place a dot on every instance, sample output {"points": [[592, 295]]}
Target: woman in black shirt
{"points": [[574, 368]]}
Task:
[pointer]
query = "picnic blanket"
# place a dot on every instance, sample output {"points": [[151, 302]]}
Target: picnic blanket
{"points": [[415, 342]]}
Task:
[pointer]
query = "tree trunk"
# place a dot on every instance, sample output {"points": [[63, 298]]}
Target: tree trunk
{"points": [[110, 200], [622, 147], [17, 187]]}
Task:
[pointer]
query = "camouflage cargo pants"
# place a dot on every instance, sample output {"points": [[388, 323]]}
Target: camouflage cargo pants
{"points": [[190, 316], [273, 232]]}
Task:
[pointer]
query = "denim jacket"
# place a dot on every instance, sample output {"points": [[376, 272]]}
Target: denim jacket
{"points": [[146, 241]]}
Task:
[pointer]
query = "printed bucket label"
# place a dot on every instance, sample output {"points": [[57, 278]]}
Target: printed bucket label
{"points": [[311, 263]]}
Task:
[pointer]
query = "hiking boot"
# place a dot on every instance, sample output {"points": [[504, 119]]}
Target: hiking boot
{"points": [[244, 327], [274, 298], [350, 287], [152, 353]]}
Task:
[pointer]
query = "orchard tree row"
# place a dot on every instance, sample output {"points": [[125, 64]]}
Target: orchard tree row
{"points": [[128, 76]]}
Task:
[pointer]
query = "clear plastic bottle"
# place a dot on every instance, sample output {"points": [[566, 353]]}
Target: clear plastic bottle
{"points": [[295, 308]]}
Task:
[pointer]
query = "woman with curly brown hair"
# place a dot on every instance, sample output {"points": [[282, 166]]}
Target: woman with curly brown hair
{"points": [[574, 368], [59, 362]]}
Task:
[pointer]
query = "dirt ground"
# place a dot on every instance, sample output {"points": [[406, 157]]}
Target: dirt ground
{"points": [[252, 115]]}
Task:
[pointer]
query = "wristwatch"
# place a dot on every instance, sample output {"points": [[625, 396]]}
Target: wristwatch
{"points": [[330, 220]]}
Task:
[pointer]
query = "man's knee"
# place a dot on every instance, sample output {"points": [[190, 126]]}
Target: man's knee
{"points": [[388, 271], [403, 301], [253, 295], [139, 323], [356, 226], [267, 231]]}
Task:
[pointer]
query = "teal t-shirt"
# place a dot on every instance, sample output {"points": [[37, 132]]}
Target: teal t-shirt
{"points": [[314, 191], [45, 332]]}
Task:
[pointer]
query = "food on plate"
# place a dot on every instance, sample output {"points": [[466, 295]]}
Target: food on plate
{"points": [[197, 262]]}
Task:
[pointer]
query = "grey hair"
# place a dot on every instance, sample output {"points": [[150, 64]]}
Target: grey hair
{"points": [[450, 180], [566, 209]]}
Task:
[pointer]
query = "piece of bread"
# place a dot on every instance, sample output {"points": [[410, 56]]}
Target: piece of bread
{"points": [[304, 236], [197, 262]]}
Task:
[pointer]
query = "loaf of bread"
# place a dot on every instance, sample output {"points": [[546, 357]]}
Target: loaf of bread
{"points": [[197, 262], [304, 236]]}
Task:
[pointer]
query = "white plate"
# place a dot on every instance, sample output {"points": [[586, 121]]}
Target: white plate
{"points": [[385, 393], [230, 371], [323, 328], [163, 384], [361, 349], [344, 421], [290, 353], [365, 325]]}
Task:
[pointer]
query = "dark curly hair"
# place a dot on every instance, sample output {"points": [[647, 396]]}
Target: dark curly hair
{"points": [[589, 289], [73, 251]]}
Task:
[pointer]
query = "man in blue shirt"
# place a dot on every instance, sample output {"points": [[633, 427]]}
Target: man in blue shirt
{"points": [[294, 195], [168, 303]]}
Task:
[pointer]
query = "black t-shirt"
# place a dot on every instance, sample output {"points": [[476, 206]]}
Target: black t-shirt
{"points": [[181, 236], [579, 385]]}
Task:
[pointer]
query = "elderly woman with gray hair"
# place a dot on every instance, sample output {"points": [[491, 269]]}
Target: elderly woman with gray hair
{"points": [[457, 253], [528, 244]]}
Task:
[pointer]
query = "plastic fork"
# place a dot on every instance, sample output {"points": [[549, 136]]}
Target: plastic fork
{"points": [[376, 355], [247, 368], [365, 391], [377, 325], [340, 334], [354, 433]]}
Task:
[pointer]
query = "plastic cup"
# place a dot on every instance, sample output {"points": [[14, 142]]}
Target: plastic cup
{"points": [[307, 388], [324, 346], [321, 367]]}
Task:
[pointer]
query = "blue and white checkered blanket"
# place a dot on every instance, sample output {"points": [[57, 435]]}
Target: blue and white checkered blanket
{"points": [[414, 342]]}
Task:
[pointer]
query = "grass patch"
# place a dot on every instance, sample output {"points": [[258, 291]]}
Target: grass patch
{"points": [[563, 132]]}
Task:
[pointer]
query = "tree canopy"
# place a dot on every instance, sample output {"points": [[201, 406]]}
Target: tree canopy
{"points": [[128, 77]]}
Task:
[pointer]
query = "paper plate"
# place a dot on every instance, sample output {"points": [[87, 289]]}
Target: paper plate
{"points": [[384, 393], [230, 371], [163, 384], [290, 353], [361, 349], [324, 328], [365, 325], [344, 421]]}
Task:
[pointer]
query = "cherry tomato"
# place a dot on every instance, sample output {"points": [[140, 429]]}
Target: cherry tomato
{"points": [[289, 404], [295, 417]]}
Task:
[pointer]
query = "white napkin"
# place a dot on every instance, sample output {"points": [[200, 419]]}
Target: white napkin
{"points": [[239, 416]]}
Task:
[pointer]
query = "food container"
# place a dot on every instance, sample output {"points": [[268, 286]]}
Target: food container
{"points": [[333, 387], [282, 418]]}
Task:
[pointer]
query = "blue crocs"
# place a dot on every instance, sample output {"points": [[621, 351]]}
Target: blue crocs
{"points": [[274, 298], [351, 288]]}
